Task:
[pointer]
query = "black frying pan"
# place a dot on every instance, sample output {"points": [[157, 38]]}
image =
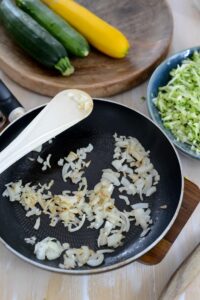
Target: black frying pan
{"points": [[98, 129]]}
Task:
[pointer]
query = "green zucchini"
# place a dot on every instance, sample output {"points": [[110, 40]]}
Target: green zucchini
{"points": [[72, 40], [34, 39]]}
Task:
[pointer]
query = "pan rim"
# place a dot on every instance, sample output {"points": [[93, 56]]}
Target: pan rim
{"points": [[131, 259]]}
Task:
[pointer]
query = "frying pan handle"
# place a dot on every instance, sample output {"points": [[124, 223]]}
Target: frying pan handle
{"points": [[9, 105]]}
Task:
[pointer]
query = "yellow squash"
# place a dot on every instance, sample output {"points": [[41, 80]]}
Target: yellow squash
{"points": [[100, 34]]}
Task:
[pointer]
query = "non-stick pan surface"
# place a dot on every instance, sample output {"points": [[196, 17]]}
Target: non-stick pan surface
{"points": [[98, 129]]}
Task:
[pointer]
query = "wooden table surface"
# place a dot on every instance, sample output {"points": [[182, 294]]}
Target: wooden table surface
{"points": [[21, 281]]}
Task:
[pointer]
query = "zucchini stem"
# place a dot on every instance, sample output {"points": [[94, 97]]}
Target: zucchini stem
{"points": [[64, 66], [85, 52]]}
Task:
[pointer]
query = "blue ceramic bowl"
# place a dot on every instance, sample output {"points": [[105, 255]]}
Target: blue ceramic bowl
{"points": [[159, 78]]}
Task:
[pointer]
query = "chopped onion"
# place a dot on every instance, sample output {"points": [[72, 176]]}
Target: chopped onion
{"points": [[111, 176], [114, 240], [30, 240], [61, 162], [37, 224], [95, 260], [125, 198], [163, 206], [142, 217], [49, 248], [151, 191], [140, 205], [38, 149], [131, 171], [103, 251], [40, 159], [31, 158], [79, 226]]}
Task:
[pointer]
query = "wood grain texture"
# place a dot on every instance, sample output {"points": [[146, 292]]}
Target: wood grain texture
{"points": [[136, 281], [191, 199], [186, 280], [148, 25]]}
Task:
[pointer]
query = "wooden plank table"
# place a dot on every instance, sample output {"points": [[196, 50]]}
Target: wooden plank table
{"points": [[21, 281]]}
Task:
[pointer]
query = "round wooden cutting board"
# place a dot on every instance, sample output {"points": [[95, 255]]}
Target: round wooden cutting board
{"points": [[148, 25]]}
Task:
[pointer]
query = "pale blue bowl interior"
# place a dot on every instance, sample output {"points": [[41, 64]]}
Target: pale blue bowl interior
{"points": [[160, 78]]}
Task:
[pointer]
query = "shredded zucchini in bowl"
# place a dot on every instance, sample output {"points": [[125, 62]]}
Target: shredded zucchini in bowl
{"points": [[179, 102]]}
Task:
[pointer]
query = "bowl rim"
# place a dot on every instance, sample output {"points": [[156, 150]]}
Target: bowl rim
{"points": [[150, 104]]}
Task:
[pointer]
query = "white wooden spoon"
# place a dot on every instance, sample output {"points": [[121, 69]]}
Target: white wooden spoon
{"points": [[65, 110]]}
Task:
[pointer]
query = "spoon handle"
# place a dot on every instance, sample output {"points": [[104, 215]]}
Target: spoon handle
{"points": [[9, 105]]}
